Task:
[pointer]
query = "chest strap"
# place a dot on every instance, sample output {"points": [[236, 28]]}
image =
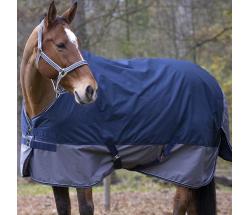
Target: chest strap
{"points": [[36, 144]]}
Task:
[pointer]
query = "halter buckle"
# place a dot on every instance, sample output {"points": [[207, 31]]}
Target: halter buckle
{"points": [[62, 72], [39, 49]]}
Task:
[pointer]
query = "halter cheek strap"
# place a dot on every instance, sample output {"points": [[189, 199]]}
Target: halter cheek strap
{"points": [[61, 71]]}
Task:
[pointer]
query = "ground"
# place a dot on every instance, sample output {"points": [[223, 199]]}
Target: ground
{"points": [[133, 194]]}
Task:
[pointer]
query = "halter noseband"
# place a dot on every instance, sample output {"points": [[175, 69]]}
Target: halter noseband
{"points": [[61, 71]]}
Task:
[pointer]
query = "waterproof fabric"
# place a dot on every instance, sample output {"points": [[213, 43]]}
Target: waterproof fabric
{"points": [[168, 118]]}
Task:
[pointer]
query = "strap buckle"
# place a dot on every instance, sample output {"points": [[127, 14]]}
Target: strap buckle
{"points": [[28, 139], [116, 157], [117, 161]]}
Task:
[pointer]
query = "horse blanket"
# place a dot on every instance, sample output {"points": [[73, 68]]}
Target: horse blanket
{"points": [[166, 118]]}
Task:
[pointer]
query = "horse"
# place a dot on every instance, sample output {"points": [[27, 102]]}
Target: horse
{"points": [[52, 61]]}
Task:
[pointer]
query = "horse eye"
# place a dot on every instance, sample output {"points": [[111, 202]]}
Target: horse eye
{"points": [[61, 46]]}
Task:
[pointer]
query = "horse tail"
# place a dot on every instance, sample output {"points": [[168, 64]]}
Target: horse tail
{"points": [[206, 199]]}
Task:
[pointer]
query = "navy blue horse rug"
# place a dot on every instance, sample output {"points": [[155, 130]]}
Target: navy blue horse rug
{"points": [[162, 117]]}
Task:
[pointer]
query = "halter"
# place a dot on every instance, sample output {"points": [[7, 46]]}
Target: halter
{"points": [[61, 71]]}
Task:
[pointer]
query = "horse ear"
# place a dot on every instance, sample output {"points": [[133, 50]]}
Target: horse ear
{"points": [[51, 16], [69, 14]]}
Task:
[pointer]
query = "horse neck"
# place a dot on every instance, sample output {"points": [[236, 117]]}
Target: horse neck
{"points": [[37, 90]]}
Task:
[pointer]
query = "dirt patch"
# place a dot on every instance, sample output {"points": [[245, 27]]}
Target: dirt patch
{"points": [[122, 203]]}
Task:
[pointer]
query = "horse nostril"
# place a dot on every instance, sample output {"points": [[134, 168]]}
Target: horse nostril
{"points": [[89, 92]]}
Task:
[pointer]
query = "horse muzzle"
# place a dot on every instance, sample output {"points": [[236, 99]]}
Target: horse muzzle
{"points": [[85, 96]]}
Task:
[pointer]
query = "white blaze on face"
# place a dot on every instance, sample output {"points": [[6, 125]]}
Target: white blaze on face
{"points": [[72, 37]]}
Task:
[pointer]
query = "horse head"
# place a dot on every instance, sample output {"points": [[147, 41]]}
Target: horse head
{"points": [[59, 57]]}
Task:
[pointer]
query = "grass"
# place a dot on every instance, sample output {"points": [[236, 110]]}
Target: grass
{"points": [[31, 189], [126, 182]]}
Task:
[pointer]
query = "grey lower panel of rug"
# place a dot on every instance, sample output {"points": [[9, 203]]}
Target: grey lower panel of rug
{"points": [[85, 166]]}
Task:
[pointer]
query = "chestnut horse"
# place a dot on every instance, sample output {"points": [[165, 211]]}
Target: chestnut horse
{"points": [[43, 60]]}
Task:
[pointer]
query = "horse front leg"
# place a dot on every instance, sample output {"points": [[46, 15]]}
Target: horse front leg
{"points": [[85, 201], [62, 200], [184, 201]]}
